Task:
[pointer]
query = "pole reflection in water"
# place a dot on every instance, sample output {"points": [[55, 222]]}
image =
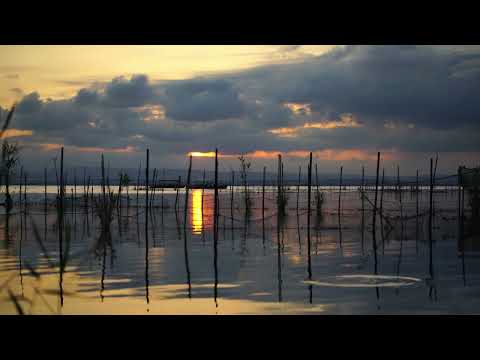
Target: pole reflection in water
{"points": [[279, 260], [251, 283]]}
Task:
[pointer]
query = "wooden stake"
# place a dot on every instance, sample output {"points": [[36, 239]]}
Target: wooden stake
{"points": [[279, 184], [416, 213], [374, 233], [340, 190], [298, 185], [215, 228], [147, 170], [185, 214], [60, 227], [430, 219], [309, 191], [45, 192], [138, 185], [231, 195]]}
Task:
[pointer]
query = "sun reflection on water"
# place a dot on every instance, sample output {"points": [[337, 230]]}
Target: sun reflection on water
{"points": [[197, 215]]}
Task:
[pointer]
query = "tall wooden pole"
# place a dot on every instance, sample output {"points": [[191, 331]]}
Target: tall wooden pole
{"points": [[430, 219], [298, 185], [147, 170], [45, 192], [309, 194], [340, 190], [60, 227], [215, 229], [375, 213], [185, 214]]}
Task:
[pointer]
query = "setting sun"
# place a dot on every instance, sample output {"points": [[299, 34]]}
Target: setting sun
{"points": [[202, 154]]}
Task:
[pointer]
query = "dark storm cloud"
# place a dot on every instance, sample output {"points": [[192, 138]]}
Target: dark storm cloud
{"points": [[86, 97], [203, 100], [29, 104], [84, 120], [404, 98], [412, 83], [121, 92], [46, 116], [379, 137], [269, 114]]}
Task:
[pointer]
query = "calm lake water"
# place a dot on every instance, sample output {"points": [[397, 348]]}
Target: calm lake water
{"points": [[260, 268]]}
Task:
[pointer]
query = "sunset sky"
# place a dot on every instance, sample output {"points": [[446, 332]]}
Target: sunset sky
{"points": [[344, 103]]}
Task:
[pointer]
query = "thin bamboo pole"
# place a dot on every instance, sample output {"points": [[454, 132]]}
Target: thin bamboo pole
{"points": [[215, 229], [374, 232], [309, 192], [185, 214], [147, 170], [340, 190]]}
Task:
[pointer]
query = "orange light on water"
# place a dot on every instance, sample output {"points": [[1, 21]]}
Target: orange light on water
{"points": [[197, 215]]}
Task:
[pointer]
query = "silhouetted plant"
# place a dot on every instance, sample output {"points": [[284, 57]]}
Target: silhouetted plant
{"points": [[319, 200], [319, 197], [104, 208], [125, 182], [9, 159], [244, 168], [105, 205], [9, 162]]}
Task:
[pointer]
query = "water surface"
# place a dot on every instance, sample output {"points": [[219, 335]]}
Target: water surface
{"points": [[261, 266]]}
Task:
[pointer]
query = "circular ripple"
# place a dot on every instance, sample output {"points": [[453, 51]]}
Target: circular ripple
{"points": [[364, 281]]}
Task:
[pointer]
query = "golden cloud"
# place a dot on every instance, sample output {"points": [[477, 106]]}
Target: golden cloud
{"points": [[299, 108], [16, 133], [52, 147], [151, 112], [346, 121], [326, 154]]}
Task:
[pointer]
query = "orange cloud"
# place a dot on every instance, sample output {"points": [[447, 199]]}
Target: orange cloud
{"points": [[211, 154], [351, 154], [284, 132], [299, 108], [16, 133], [52, 147], [151, 112], [127, 149], [346, 121], [327, 154]]}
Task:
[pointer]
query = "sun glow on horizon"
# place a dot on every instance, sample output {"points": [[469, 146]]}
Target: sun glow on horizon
{"points": [[202, 154], [325, 154]]}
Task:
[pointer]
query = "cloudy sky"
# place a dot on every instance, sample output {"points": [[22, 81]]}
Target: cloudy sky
{"points": [[344, 103]]}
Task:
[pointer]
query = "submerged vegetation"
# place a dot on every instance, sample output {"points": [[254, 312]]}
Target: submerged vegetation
{"points": [[105, 205]]}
